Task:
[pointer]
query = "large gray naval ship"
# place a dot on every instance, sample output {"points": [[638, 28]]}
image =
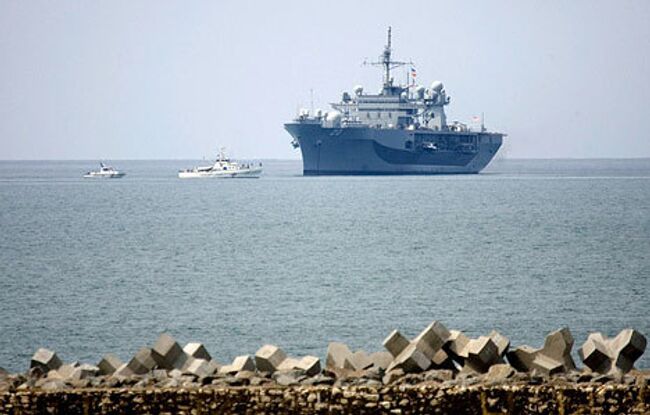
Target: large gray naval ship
{"points": [[400, 130]]}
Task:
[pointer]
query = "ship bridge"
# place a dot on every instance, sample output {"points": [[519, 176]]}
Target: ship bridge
{"points": [[408, 106]]}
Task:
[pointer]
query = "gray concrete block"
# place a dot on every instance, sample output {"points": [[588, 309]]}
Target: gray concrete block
{"points": [[109, 364], [627, 347], [46, 360], [199, 368], [310, 365], [521, 358], [288, 364], [381, 359], [456, 346], [123, 371], [166, 352], [395, 343], [594, 353], [197, 351], [481, 354], [557, 349], [336, 355], [547, 366], [617, 355], [240, 363], [65, 371], [442, 361], [268, 358], [411, 360], [357, 361], [213, 367], [432, 338], [143, 362], [84, 371], [501, 341], [558, 345]]}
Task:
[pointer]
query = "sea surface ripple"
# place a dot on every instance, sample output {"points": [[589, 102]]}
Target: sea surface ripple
{"points": [[95, 266]]}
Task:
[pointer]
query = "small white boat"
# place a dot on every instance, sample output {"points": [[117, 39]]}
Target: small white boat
{"points": [[224, 168], [104, 172]]}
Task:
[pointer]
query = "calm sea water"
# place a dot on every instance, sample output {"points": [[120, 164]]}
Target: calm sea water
{"points": [[91, 266]]}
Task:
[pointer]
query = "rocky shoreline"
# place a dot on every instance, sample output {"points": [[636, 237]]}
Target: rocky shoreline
{"points": [[521, 397], [438, 371]]}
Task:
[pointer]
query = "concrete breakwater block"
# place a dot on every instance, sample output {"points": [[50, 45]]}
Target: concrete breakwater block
{"points": [[143, 362], [197, 351], [310, 365], [45, 360], [358, 361], [336, 355], [342, 362], [423, 352], [433, 352], [167, 353], [554, 357], [477, 355], [74, 371], [271, 359], [200, 368], [109, 364], [616, 355], [240, 363]]}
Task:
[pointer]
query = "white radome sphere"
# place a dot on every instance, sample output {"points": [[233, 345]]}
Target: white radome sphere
{"points": [[333, 116]]}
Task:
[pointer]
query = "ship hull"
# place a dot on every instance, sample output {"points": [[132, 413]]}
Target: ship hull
{"points": [[372, 151]]}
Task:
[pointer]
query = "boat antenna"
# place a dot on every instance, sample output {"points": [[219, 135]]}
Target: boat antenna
{"points": [[386, 62]]}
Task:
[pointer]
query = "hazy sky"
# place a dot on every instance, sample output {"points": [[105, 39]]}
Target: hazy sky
{"points": [[176, 79]]}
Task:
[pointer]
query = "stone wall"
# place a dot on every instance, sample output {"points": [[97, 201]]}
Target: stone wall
{"points": [[394, 399]]}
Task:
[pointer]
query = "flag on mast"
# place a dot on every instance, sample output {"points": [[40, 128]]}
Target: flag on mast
{"points": [[413, 72]]}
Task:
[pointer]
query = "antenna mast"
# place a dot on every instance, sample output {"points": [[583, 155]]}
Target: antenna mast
{"points": [[387, 63], [386, 60]]}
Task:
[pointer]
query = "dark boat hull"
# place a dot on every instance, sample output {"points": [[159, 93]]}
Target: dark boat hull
{"points": [[372, 151]]}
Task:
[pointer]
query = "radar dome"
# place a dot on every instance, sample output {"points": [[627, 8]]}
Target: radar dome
{"points": [[419, 91], [333, 116], [358, 90], [437, 86]]}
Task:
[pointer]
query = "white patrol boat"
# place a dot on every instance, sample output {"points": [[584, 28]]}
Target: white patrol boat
{"points": [[104, 172], [223, 167]]}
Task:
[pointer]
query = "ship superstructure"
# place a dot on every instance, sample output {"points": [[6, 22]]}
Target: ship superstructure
{"points": [[400, 130]]}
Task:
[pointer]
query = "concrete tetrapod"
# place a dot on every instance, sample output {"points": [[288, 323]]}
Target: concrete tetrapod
{"points": [[46, 360], [143, 362], [616, 355], [240, 363], [477, 355], [167, 353], [554, 357], [423, 352], [109, 364], [269, 358], [197, 351]]}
